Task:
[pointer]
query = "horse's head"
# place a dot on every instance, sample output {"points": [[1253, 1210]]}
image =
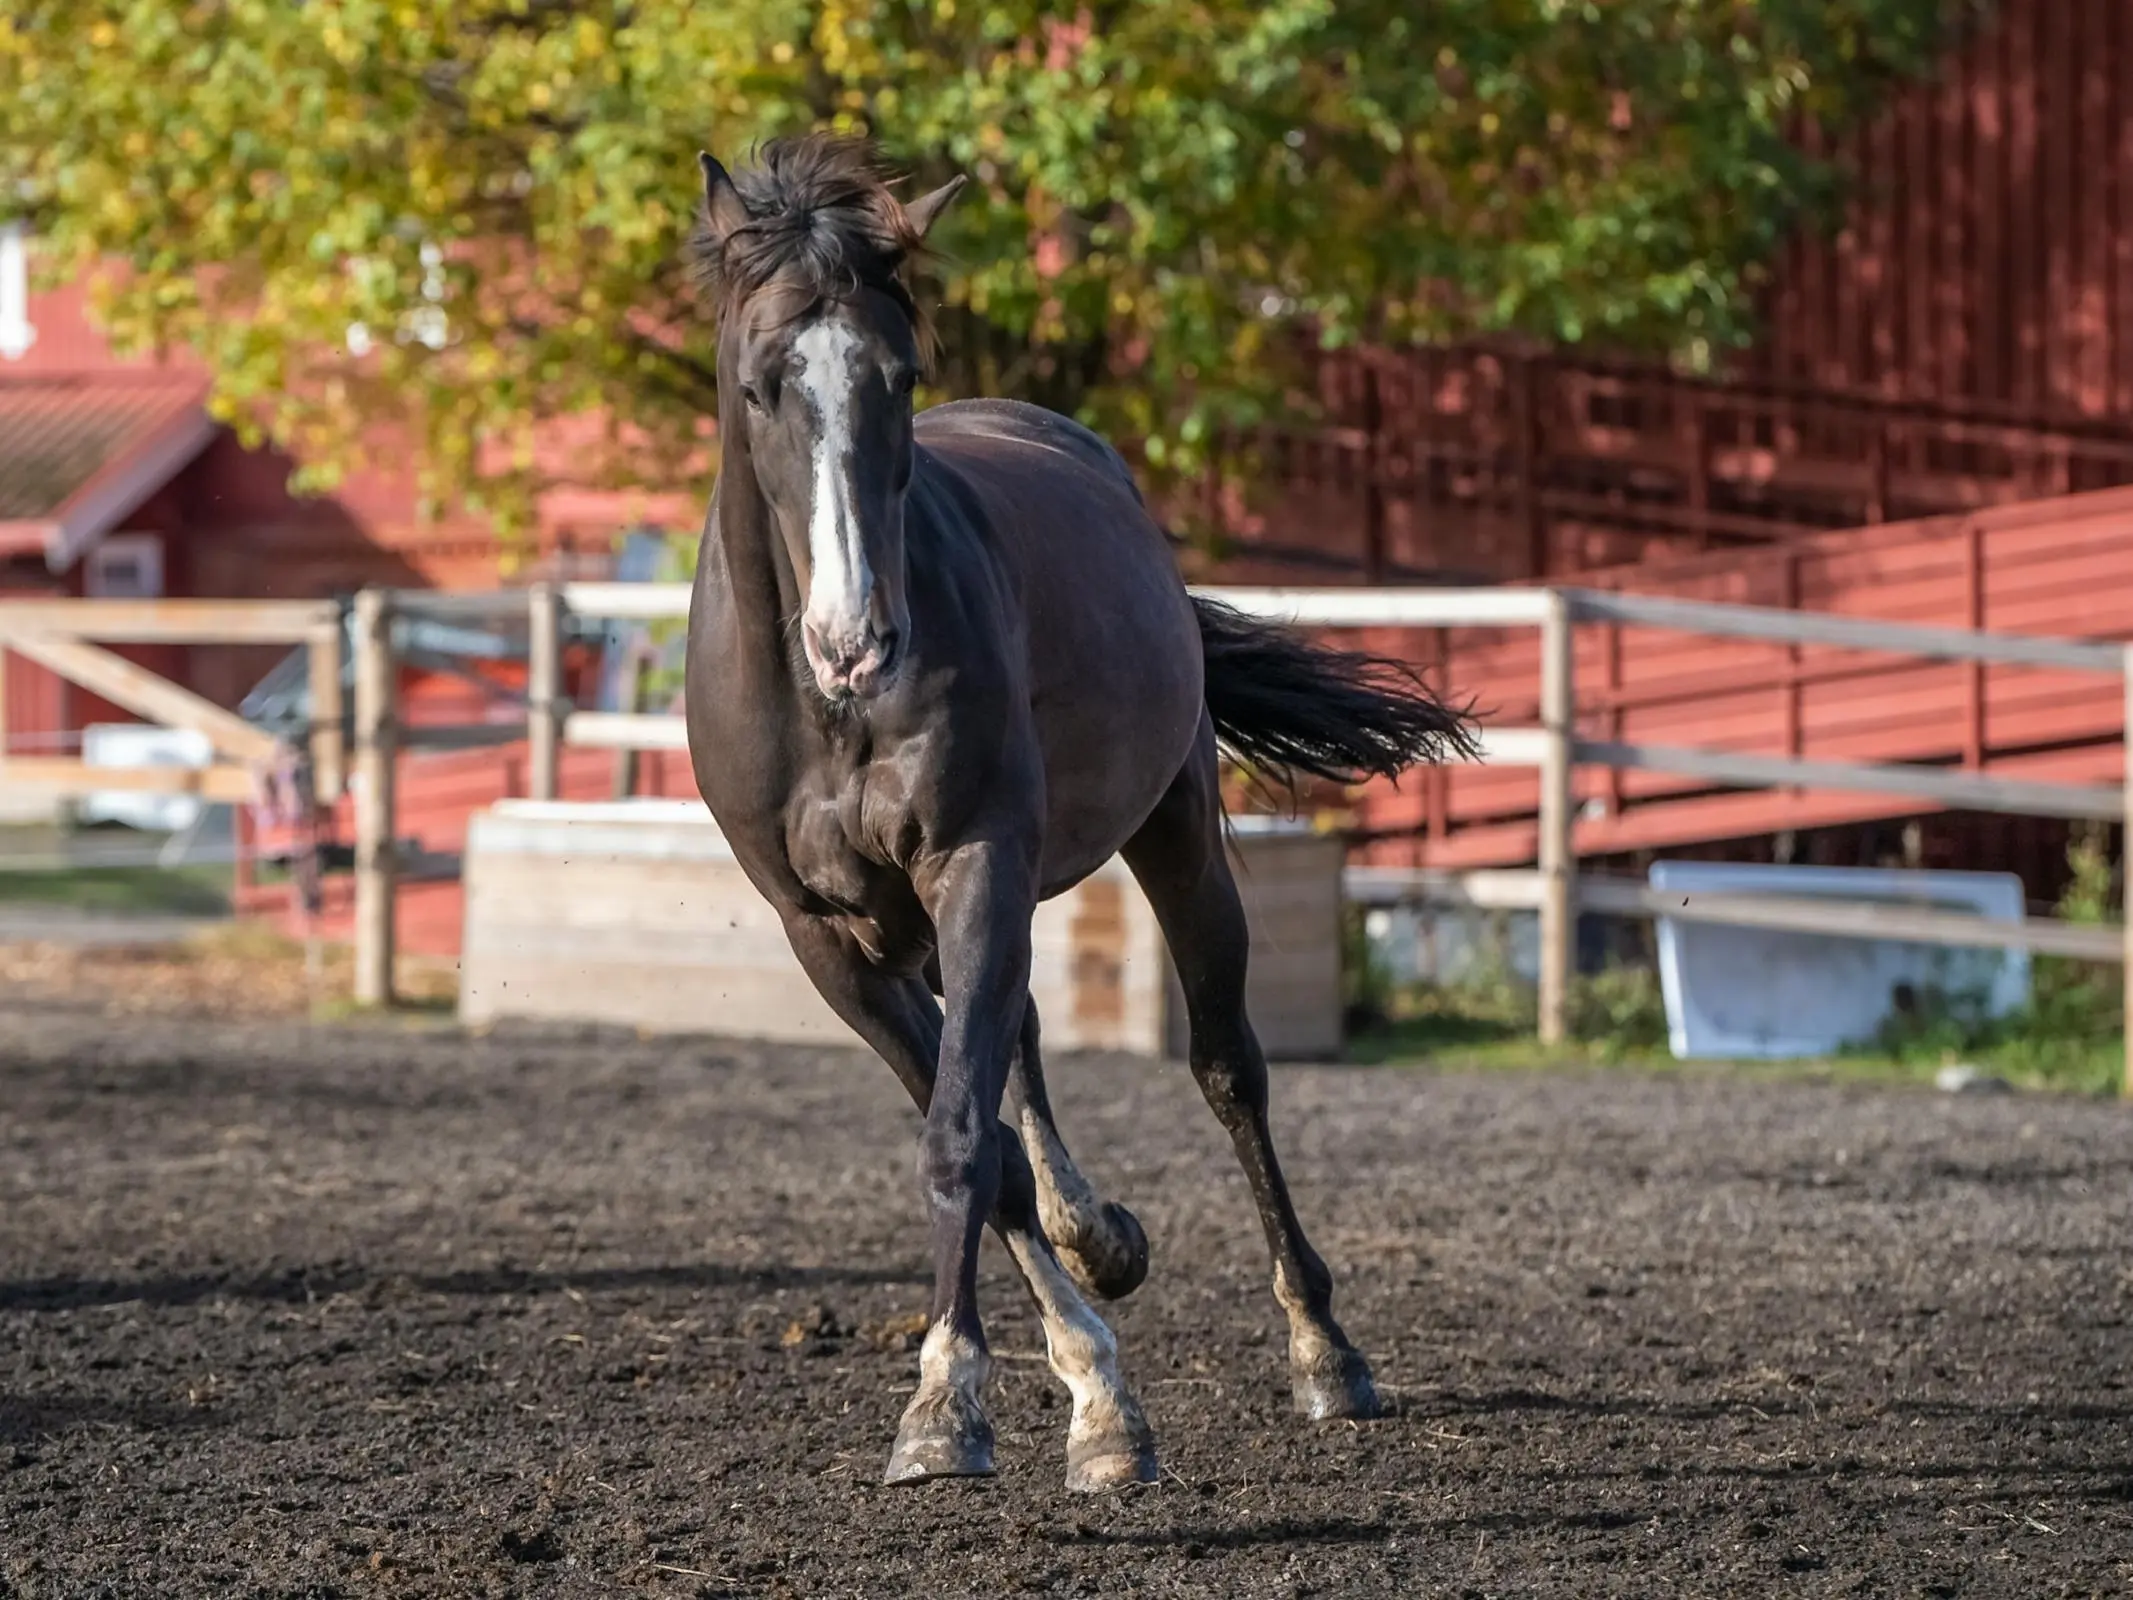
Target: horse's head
{"points": [[820, 348]]}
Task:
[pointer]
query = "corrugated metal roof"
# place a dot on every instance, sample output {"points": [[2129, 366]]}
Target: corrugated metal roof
{"points": [[58, 434]]}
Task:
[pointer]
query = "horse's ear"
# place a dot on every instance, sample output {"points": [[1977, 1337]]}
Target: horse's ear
{"points": [[926, 210], [722, 201]]}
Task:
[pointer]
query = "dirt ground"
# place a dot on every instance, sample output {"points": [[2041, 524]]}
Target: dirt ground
{"points": [[374, 1310]]}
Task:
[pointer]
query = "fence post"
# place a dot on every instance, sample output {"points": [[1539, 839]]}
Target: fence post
{"points": [[2125, 872], [1558, 863], [629, 698], [328, 757], [376, 852], [544, 644]]}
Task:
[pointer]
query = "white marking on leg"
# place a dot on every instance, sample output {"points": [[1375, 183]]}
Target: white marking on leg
{"points": [[841, 584], [1083, 1350], [948, 1360], [1309, 1345], [1068, 1205], [944, 1428]]}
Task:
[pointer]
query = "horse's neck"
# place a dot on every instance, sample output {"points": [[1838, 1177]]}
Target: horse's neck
{"points": [[766, 589]]}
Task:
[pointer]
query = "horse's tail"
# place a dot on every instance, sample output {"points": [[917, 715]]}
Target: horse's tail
{"points": [[1284, 707]]}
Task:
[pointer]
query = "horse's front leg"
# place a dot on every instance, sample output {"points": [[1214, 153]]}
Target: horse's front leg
{"points": [[981, 899]]}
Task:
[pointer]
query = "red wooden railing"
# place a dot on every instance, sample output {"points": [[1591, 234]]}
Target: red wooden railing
{"points": [[2058, 568], [1477, 465]]}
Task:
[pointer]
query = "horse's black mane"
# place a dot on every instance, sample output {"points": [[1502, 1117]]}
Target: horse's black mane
{"points": [[822, 224]]}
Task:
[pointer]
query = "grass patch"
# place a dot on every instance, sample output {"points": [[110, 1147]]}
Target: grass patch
{"points": [[2070, 1038], [200, 891], [2071, 1035]]}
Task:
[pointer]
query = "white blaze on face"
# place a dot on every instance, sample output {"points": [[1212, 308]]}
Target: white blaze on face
{"points": [[841, 583]]}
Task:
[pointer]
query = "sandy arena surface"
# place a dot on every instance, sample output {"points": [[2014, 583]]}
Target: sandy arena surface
{"points": [[371, 1310]]}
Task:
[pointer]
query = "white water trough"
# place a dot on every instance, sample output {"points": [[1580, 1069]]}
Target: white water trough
{"points": [[1748, 993], [635, 912]]}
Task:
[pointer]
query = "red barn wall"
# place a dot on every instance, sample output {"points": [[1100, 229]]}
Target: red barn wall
{"points": [[1987, 253], [1962, 339]]}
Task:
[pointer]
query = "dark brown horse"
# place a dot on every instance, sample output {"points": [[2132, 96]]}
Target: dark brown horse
{"points": [[942, 668]]}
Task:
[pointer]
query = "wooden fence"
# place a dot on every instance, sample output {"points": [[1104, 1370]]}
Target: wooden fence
{"points": [[1473, 464], [71, 639], [60, 634], [1553, 746]]}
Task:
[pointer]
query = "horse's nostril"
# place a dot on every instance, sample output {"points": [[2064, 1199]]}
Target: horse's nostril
{"points": [[885, 647]]}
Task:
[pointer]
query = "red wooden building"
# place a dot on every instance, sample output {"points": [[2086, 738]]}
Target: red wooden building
{"points": [[1964, 340], [115, 481]]}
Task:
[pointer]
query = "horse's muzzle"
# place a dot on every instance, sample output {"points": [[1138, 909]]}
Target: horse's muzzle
{"points": [[860, 665]]}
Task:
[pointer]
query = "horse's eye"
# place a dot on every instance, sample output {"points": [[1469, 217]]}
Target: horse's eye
{"points": [[753, 395], [904, 382]]}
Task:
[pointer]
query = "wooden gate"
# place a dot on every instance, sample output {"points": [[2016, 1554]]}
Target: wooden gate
{"points": [[68, 641]]}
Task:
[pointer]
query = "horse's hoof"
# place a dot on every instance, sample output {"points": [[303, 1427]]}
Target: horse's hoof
{"points": [[1098, 1466], [1110, 1258], [1336, 1387], [940, 1445]]}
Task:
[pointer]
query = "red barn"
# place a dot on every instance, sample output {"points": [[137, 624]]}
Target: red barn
{"points": [[115, 481], [1964, 339]]}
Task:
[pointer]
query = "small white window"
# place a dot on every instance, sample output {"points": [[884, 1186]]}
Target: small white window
{"points": [[126, 566], [16, 334]]}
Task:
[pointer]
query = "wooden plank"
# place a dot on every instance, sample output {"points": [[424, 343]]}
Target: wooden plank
{"points": [[140, 691], [1358, 608], [1481, 889], [626, 730], [1853, 919], [544, 687], [1557, 854], [2125, 892], [1703, 817], [1827, 915], [2055, 197], [2120, 315], [375, 814], [1958, 223], [2092, 330], [627, 602], [329, 754], [232, 785], [460, 605], [1990, 157], [1942, 786], [2024, 228], [168, 621], [1754, 622], [461, 735], [630, 691]]}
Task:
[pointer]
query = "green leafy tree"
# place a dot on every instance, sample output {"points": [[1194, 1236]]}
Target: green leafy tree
{"points": [[465, 218]]}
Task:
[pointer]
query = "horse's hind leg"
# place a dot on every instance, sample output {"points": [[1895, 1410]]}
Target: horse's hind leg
{"points": [[1100, 1242], [1179, 858], [1109, 1442]]}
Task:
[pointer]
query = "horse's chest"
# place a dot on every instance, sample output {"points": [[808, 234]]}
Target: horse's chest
{"points": [[836, 844], [826, 861]]}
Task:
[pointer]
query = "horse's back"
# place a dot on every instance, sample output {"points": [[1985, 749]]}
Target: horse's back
{"points": [[1115, 665], [1022, 428]]}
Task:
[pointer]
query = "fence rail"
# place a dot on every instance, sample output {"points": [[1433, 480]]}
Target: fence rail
{"points": [[1511, 889], [71, 639], [70, 636], [1554, 748]]}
